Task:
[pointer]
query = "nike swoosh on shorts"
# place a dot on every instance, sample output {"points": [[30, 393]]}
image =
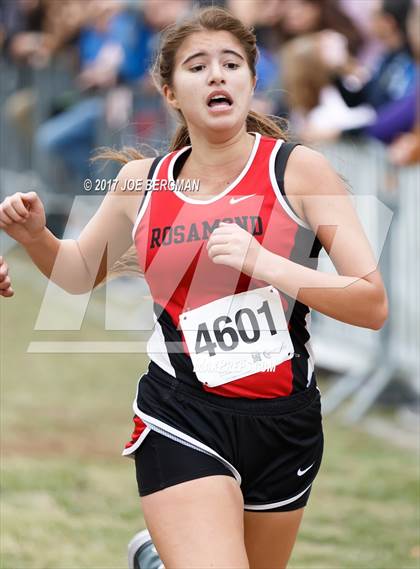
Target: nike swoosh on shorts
{"points": [[301, 472]]}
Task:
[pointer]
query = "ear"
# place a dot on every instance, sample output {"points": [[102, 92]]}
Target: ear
{"points": [[170, 97], [254, 82]]}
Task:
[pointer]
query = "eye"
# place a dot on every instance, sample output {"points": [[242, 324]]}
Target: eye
{"points": [[232, 65], [196, 68]]}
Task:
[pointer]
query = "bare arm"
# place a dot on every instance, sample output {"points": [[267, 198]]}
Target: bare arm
{"points": [[355, 295], [76, 265]]}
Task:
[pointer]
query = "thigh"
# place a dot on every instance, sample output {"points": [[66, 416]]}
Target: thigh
{"points": [[198, 524], [270, 537], [162, 462]]}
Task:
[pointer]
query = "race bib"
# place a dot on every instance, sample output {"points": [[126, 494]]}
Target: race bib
{"points": [[237, 335]]}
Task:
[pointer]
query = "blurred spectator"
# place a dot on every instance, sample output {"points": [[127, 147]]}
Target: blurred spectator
{"points": [[405, 149], [394, 76], [113, 47], [307, 16], [35, 31], [310, 16], [382, 108], [151, 119], [24, 34], [371, 48], [394, 118], [113, 50], [265, 17], [112, 89], [278, 21], [317, 111]]}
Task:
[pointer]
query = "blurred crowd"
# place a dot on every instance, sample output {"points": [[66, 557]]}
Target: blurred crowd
{"points": [[333, 68]]}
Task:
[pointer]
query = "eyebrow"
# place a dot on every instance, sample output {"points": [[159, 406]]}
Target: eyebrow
{"points": [[200, 53]]}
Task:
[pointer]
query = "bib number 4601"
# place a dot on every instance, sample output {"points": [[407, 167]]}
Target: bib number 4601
{"points": [[227, 337]]}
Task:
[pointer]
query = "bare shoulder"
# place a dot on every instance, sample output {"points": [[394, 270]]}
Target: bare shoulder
{"points": [[131, 182], [135, 171], [308, 172]]}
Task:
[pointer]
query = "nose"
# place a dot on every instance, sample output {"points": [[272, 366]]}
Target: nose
{"points": [[216, 74]]}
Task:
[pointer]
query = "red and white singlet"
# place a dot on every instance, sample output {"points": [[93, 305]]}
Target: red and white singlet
{"points": [[235, 335]]}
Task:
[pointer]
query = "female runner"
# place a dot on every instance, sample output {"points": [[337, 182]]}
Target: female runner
{"points": [[228, 430]]}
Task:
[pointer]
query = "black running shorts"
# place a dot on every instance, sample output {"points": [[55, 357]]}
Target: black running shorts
{"points": [[272, 447]]}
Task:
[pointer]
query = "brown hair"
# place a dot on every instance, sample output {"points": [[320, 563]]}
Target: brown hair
{"points": [[333, 17], [304, 73], [205, 19]]}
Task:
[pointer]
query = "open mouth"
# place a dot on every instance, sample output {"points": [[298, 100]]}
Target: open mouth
{"points": [[222, 100]]}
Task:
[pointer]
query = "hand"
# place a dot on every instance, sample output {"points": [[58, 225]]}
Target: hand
{"points": [[405, 150], [333, 49], [25, 44], [235, 247], [22, 216], [312, 134], [5, 285], [97, 76]]}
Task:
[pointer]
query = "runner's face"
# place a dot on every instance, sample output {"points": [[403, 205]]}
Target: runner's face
{"points": [[205, 63]]}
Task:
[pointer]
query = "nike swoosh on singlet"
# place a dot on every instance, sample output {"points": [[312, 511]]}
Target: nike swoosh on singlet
{"points": [[236, 200], [301, 472]]}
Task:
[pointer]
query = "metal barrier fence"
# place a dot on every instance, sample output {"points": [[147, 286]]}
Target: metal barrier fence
{"points": [[406, 275], [27, 96], [366, 361]]}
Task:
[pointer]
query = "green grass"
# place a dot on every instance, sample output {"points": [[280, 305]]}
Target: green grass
{"points": [[70, 501]]}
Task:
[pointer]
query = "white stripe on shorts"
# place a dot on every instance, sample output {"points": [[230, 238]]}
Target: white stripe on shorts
{"points": [[276, 504], [172, 433]]}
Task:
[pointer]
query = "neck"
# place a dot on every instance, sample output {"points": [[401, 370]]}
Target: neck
{"points": [[218, 157]]}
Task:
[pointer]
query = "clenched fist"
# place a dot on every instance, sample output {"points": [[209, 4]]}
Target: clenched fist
{"points": [[5, 284], [22, 216], [233, 246]]}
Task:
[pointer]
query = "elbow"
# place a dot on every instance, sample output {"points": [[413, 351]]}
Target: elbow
{"points": [[86, 285], [77, 291], [77, 288], [379, 315], [86, 288]]}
